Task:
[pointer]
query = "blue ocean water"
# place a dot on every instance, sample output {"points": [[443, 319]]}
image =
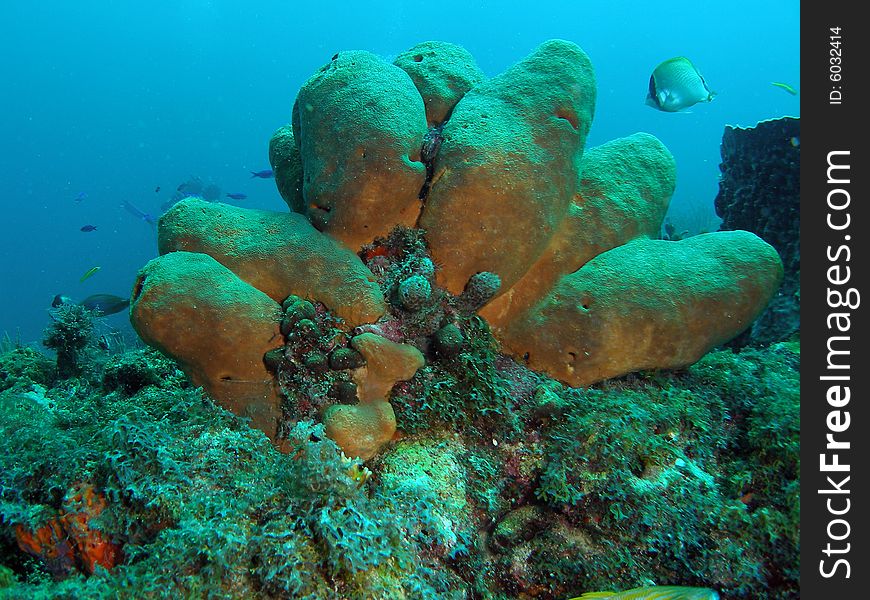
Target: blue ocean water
{"points": [[110, 101]]}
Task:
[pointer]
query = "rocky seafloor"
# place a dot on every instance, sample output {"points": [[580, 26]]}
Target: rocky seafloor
{"points": [[118, 478]]}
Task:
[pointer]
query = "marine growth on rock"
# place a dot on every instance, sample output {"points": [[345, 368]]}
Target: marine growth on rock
{"points": [[553, 244]]}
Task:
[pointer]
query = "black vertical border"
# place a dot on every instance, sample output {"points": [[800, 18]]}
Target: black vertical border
{"points": [[828, 127]]}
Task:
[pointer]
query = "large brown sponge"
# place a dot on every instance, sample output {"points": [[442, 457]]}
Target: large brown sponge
{"points": [[359, 123], [192, 308], [647, 304], [277, 253], [623, 192], [507, 168]]}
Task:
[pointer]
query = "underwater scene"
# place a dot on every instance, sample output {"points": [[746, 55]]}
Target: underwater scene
{"points": [[472, 300]]}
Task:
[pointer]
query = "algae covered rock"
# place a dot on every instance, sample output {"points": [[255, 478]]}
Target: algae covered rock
{"points": [[192, 308], [131, 372], [507, 167], [647, 304], [359, 123], [428, 482], [443, 73], [23, 367]]}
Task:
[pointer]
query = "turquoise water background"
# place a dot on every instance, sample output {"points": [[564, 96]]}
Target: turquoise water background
{"points": [[114, 99]]}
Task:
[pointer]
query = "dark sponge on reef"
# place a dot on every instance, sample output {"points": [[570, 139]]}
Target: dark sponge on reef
{"points": [[760, 192], [345, 358], [131, 372], [480, 289], [448, 341]]}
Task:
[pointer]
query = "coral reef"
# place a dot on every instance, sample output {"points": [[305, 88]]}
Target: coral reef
{"points": [[759, 191], [422, 193], [504, 484], [68, 337]]}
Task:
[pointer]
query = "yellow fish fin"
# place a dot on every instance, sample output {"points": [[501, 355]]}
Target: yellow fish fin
{"points": [[589, 595]]}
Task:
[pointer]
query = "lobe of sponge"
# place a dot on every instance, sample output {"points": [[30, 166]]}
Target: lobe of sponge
{"points": [[277, 253], [360, 430], [386, 364], [190, 307], [647, 304]]}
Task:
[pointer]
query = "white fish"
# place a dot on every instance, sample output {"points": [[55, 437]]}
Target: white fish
{"points": [[676, 84]]}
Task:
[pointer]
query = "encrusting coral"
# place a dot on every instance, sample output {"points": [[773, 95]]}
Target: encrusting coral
{"points": [[496, 175]]}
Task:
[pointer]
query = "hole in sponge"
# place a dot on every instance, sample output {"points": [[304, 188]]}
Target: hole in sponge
{"points": [[569, 116], [137, 288]]}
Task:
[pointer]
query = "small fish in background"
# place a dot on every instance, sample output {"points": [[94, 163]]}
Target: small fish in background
{"points": [[675, 85], [148, 218], [88, 228], [105, 304], [157, 190], [88, 274], [655, 592], [784, 86], [60, 300], [795, 142], [81, 197], [264, 174], [237, 196], [211, 192], [194, 186]]}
